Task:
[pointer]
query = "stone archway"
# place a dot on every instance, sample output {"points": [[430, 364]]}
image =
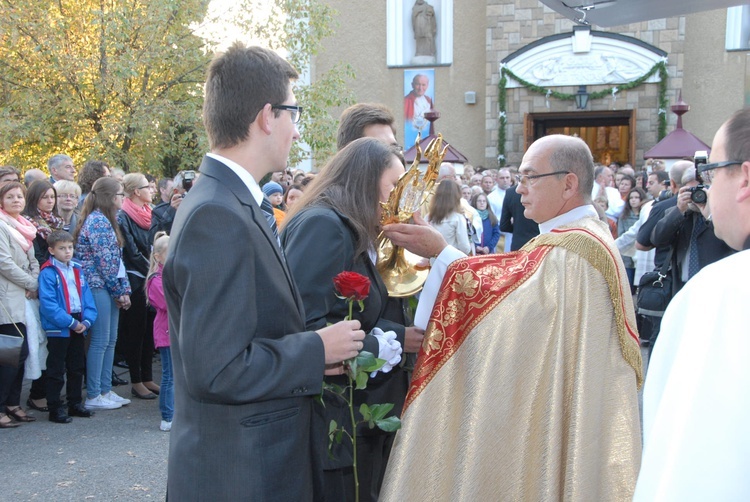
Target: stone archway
{"points": [[583, 57]]}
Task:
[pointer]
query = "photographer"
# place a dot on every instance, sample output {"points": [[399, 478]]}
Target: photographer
{"points": [[686, 230], [162, 215], [695, 434]]}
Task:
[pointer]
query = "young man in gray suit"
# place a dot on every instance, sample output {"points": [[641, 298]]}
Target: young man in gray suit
{"points": [[245, 369]]}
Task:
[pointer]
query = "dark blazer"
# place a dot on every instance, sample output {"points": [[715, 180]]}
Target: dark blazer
{"points": [[246, 370], [644, 233], [675, 229], [513, 220], [162, 217], [136, 250], [319, 244]]}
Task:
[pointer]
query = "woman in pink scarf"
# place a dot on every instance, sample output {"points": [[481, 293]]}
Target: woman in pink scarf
{"points": [[18, 280], [136, 339]]}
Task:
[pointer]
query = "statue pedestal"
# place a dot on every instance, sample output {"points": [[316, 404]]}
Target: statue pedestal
{"points": [[423, 60]]}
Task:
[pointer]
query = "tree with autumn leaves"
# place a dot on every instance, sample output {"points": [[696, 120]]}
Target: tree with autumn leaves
{"points": [[123, 80]]}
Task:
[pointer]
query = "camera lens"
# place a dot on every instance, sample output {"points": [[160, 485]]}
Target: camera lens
{"points": [[698, 195]]}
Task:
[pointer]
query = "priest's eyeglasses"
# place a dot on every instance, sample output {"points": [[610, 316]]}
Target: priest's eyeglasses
{"points": [[296, 111], [707, 170], [530, 179]]}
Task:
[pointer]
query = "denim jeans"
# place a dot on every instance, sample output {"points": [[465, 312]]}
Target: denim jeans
{"points": [[102, 348], [166, 392]]}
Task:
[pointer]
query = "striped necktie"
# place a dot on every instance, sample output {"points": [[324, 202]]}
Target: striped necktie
{"points": [[693, 263], [267, 209]]}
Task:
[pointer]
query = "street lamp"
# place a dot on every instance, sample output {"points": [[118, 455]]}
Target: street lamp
{"points": [[582, 97]]}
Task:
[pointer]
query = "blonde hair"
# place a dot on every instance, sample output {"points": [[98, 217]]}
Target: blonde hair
{"points": [[67, 186], [131, 182], [161, 244]]}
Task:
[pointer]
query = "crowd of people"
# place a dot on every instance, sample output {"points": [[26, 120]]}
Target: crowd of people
{"points": [[76, 252], [249, 333]]}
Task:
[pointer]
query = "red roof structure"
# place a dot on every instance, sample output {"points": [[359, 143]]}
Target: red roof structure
{"points": [[679, 143], [452, 155]]}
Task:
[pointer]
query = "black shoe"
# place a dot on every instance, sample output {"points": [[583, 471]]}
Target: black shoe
{"points": [[78, 410], [31, 405], [59, 416], [150, 394], [117, 380], [121, 364]]}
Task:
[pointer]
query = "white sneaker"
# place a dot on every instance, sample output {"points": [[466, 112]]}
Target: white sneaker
{"points": [[115, 398], [165, 426], [101, 403]]}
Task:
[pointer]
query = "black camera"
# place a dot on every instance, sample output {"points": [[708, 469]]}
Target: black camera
{"points": [[698, 193], [187, 180]]}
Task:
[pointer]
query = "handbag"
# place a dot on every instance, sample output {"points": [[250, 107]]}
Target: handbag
{"points": [[10, 347], [655, 290]]}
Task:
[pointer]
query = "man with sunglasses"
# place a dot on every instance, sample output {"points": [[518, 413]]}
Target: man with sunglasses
{"points": [[526, 384], [695, 404]]}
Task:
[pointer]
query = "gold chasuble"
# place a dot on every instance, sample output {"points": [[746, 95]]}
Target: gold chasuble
{"points": [[526, 384]]}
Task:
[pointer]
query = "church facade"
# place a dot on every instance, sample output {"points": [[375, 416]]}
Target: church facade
{"points": [[505, 72]]}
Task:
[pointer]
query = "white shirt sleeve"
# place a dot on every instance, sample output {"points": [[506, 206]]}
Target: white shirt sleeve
{"points": [[432, 285]]}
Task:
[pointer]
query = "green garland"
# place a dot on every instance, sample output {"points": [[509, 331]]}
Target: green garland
{"points": [[660, 67]]}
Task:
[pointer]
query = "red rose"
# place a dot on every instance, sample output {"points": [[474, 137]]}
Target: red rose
{"points": [[352, 286]]}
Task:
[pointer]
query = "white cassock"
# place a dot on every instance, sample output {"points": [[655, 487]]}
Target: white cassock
{"points": [[696, 403]]}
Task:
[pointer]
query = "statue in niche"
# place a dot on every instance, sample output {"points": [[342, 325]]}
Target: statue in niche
{"points": [[424, 24]]}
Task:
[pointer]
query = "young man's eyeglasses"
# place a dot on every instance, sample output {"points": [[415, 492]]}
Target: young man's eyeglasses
{"points": [[296, 111], [529, 179], [707, 170]]}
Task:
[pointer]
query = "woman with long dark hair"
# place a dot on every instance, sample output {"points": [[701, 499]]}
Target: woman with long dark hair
{"points": [[41, 211], [490, 225], [99, 249], [333, 228], [633, 202]]}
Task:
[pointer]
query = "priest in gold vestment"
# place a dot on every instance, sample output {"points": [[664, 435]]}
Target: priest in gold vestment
{"points": [[526, 384]]}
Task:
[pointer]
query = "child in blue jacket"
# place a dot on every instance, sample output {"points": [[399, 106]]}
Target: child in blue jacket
{"points": [[67, 311]]}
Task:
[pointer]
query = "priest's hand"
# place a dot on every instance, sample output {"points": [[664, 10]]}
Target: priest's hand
{"points": [[413, 339], [419, 238]]}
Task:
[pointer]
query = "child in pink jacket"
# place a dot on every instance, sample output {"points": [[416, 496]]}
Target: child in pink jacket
{"points": [[155, 293]]}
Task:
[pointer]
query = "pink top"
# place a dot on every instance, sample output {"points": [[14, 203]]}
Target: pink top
{"points": [[155, 292]]}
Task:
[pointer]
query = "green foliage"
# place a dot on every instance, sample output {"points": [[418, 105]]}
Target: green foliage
{"points": [[374, 415], [120, 81], [660, 68], [299, 26], [123, 81]]}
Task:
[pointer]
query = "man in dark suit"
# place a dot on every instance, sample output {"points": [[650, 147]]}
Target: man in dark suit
{"points": [[649, 326], [513, 221], [643, 241], [691, 237], [245, 368]]}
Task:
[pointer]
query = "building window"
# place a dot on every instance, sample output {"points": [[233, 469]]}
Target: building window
{"points": [[738, 28]]}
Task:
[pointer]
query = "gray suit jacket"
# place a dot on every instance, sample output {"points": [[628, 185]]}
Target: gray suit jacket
{"points": [[245, 368]]}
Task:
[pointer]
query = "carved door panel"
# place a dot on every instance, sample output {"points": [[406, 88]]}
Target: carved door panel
{"points": [[610, 135]]}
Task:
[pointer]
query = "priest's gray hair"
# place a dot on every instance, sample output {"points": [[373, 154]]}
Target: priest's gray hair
{"points": [[573, 154]]}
